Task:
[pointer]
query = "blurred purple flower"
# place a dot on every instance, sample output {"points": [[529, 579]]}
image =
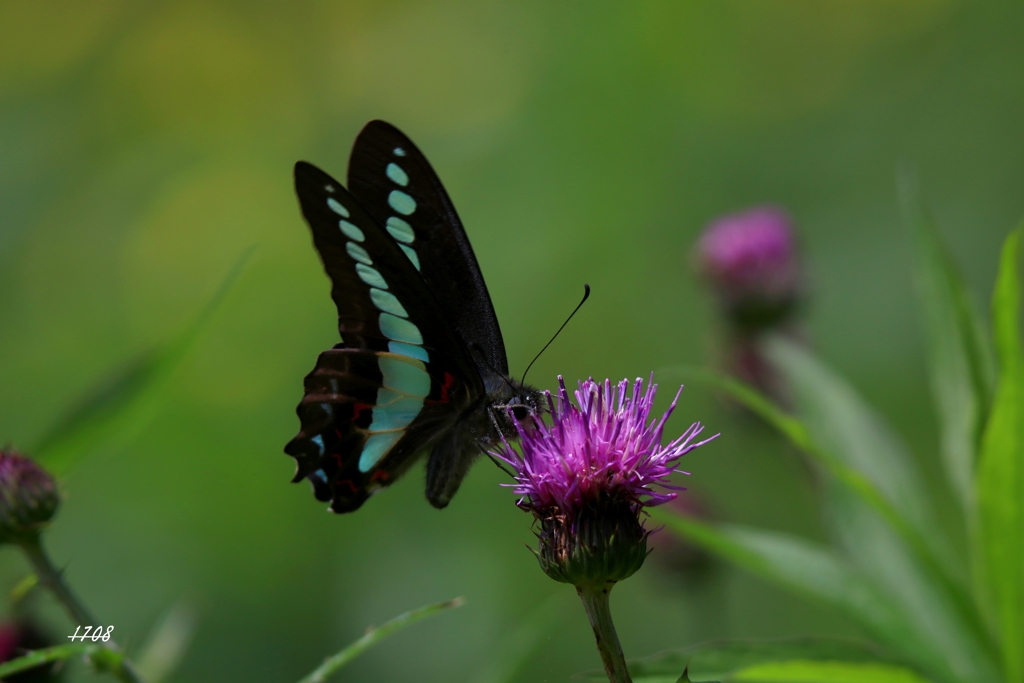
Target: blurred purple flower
{"points": [[8, 641], [588, 475], [17, 638], [751, 260], [28, 496], [677, 555]]}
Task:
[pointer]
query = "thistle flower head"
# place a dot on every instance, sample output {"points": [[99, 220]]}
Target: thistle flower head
{"points": [[28, 496], [588, 475], [751, 260]]}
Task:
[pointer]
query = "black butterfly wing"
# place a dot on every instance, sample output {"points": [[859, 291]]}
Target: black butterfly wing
{"points": [[397, 185], [402, 375]]}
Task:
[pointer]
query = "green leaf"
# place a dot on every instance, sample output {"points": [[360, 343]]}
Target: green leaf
{"points": [[948, 621], [374, 636], [800, 436], [960, 363], [816, 572], [516, 648], [55, 654], [167, 644], [23, 588], [931, 592], [975, 645], [118, 408], [721, 660], [841, 424], [999, 520], [803, 671]]}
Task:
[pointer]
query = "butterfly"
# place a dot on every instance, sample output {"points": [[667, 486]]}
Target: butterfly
{"points": [[421, 367]]}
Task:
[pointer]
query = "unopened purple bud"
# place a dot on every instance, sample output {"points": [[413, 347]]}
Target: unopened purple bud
{"points": [[20, 636], [28, 497], [750, 259]]}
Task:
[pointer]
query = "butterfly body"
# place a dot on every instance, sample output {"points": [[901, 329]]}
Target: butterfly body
{"points": [[422, 366]]}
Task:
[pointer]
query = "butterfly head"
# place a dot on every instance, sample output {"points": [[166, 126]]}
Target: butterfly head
{"points": [[512, 401], [525, 403]]}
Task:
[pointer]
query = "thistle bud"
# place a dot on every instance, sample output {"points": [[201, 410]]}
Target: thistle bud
{"points": [[606, 543], [751, 261], [28, 497]]}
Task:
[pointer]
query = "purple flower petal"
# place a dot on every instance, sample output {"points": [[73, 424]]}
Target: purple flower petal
{"points": [[603, 447]]}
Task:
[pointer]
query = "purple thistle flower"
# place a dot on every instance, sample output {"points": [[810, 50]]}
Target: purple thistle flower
{"points": [[751, 260], [588, 475]]}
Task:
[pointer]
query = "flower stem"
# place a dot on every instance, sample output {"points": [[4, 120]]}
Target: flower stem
{"points": [[53, 579], [595, 602]]}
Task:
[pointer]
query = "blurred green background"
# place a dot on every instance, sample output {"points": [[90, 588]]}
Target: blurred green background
{"points": [[145, 146]]}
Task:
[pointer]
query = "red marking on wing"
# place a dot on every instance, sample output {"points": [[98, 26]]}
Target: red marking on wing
{"points": [[337, 457], [350, 484], [357, 410], [380, 474], [449, 382]]}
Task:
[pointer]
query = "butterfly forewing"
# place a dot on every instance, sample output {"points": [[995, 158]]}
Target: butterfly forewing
{"points": [[402, 373], [397, 185]]}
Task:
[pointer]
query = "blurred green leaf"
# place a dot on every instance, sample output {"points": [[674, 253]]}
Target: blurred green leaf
{"points": [[516, 648], [947, 620], [374, 636], [932, 595], [101, 657], [999, 539], [856, 482], [802, 671], [166, 646], [841, 424], [118, 408], [23, 588], [721, 660], [961, 367], [816, 572]]}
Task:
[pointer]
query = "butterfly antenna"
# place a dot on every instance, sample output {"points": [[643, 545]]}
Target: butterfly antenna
{"points": [[479, 349], [586, 295]]}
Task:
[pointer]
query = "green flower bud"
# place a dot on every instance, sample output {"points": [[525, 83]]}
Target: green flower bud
{"points": [[605, 543]]}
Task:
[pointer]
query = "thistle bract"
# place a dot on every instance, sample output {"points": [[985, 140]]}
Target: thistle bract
{"points": [[28, 497], [588, 475], [750, 258]]}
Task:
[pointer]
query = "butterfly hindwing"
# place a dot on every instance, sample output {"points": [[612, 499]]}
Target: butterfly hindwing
{"points": [[397, 185], [402, 374], [364, 416]]}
